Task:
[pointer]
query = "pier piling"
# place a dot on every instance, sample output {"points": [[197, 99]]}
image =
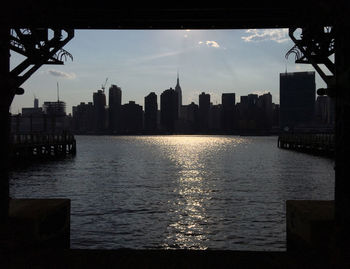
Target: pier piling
{"points": [[37, 146]]}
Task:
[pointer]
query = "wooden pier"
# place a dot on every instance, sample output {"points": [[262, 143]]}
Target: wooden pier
{"points": [[318, 144], [42, 146]]}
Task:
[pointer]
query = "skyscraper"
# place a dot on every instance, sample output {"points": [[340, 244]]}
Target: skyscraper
{"points": [[204, 108], [151, 109], [99, 99], [36, 102], [228, 101], [82, 118], [169, 109], [115, 102], [131, 118], [179, 93], [265, 111], [297, 99], [324, 111]]}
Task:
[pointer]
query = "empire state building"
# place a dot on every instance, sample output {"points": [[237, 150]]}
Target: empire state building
{"points": [[179, 92]]}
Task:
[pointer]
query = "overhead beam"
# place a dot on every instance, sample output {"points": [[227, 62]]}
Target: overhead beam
{"points": [[111, 15]]}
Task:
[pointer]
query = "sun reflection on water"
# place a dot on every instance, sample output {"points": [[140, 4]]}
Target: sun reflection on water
{"points": [[188, 227]]}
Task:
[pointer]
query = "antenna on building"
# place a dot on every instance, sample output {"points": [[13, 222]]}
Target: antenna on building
{"points": [[58, 93]]}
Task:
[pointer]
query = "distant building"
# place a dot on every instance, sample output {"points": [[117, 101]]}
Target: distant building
{"points": [[132, 118], [99, 99], [191, 112], [36, 103], [83, 118], [215, 118], [169, 105], [34, 111], [115, 103], [57, 108], [265, 112], [228, 101], [252, 100], [51, 118], [251, 113], [275, 115], [324, 111], [151, 109], [204, 108], [297, 99], [31, 120], [188, 122], [56, 117]]}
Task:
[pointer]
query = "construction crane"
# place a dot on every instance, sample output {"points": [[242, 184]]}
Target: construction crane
{"points": [[104, 85]]}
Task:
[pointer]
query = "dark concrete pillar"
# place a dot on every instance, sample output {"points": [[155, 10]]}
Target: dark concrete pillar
{"points": [[5, 101], [342, 161]]}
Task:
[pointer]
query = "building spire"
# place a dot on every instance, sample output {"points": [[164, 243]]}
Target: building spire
{"points": [[177, 81], [178, 90]]}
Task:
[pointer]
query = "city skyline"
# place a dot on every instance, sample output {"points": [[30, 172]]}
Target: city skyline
{"points": [[213, 61], [250, 114]]}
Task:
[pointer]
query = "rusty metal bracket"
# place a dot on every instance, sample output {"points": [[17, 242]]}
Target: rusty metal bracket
{"points": [[39, 48], [316, 46]]}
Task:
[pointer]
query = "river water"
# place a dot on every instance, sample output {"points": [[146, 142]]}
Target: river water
{"points": [[193, 192]]}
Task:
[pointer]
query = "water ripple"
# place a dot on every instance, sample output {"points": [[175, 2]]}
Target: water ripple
{"points": [[174, 192]]}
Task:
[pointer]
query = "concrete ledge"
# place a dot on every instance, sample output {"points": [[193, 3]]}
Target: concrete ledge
{"points": [[39, 223], [130, 258], [310, 225]]}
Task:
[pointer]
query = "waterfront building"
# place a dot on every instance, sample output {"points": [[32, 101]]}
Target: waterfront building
{"points": [[36, 102], [151, 109], [204, 108], [83, 118], [33, 111], [169, 110], [57, 108], [215, 118], [265, 112], [55, 119], [249, 114], [50, 118], [228, 101], [132, 118], [114, 109], [99, 99], [275, 115], [324, 111], [297, 99], [188, 122]]}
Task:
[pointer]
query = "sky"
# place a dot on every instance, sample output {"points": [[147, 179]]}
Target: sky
{"points": [[142, 61]]}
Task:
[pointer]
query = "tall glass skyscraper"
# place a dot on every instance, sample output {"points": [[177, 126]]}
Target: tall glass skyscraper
{"points": [[297, 99], [115, 102]]}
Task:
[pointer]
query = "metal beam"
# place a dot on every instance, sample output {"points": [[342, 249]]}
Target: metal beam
{"points": [[111, 15]]}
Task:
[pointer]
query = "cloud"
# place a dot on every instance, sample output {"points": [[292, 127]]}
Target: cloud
{"points": [[277, 35], [261, 92], [210, 43], [153, 57], [61, 74]]}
